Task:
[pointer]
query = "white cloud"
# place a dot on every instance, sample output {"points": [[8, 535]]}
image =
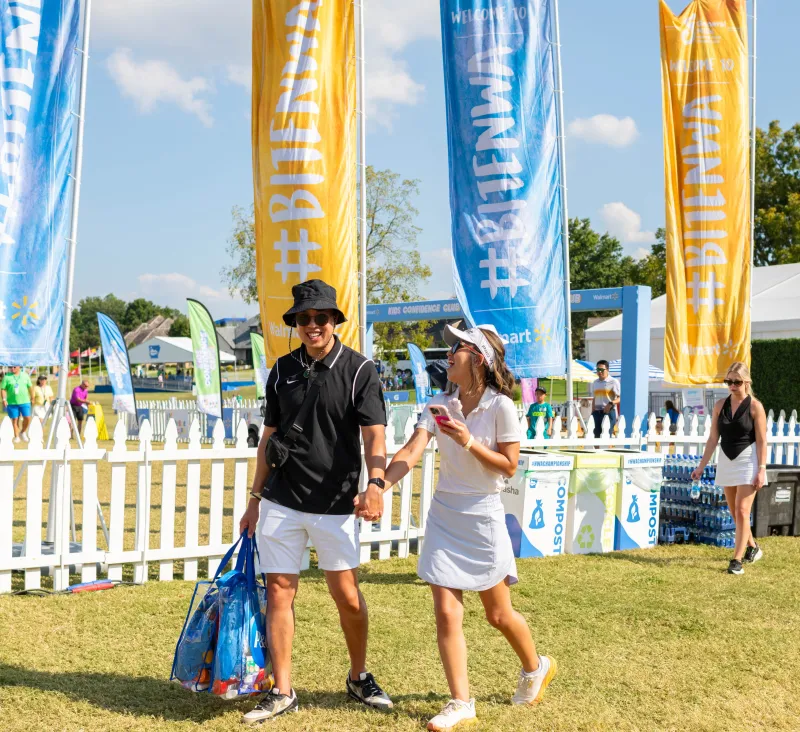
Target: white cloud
{"points": [[240, 75], [149, 82], [178, 287], [640, 253], [625, 224], [445, 254], [213, 40], [605, 129]]}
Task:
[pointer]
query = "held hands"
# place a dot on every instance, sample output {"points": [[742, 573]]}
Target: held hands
{"points": [[697, 473], [369, 504], [456, 431], [760, 479]]}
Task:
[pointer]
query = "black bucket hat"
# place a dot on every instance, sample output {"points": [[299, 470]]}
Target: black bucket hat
{"points": [[313, 295]]}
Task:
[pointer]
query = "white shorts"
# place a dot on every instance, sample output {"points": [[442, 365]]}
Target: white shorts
{"points": [[283, 534]]}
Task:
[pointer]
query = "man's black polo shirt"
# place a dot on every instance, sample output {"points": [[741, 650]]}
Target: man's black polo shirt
{"points": [[322, 473]]}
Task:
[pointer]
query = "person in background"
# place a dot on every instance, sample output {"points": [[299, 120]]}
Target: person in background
{"points": [[467, 546], [541, 408], [605, 398], [673, 415], [739, 425], [16, 391], [42, 395], [79, 401]]}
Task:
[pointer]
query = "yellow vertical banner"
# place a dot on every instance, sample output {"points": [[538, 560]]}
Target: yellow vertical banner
{"points": [[704, 65], [304, 158]]}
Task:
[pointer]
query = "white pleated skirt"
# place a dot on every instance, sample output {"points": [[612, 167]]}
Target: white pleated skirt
{"points": [[740, 471], [467, 546]]}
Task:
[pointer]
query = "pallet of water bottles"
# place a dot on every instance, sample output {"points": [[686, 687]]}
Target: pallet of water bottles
{"points": [[693, 510]]}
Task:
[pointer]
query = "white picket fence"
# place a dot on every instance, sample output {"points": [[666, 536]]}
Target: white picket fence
{"points": [[74, 472], [208, 488]]}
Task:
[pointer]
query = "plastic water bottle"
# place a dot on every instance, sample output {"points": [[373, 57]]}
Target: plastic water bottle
{"points": [[695, 492]]}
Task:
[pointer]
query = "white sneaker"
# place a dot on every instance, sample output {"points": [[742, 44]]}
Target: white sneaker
{"points": [[455, 712], [24, 437], [16, 440], [531, 687]]}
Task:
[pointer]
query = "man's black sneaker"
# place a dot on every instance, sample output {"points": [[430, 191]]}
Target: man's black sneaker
{"points": [[753, 554], [735, 567], [367, 691], [272, 705]]}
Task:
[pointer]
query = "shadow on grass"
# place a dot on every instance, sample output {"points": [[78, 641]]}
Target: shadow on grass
{"points": [[145, 696], [649, 560], [142, 696], [366, 577]]}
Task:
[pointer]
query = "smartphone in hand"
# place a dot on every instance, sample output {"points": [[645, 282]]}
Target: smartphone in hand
{"points": [[440, 414]]}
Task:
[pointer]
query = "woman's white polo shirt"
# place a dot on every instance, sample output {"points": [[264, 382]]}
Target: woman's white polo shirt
{"points": [[493, 420]]}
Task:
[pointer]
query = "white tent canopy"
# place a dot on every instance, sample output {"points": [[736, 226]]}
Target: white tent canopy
{"points": [[776, 314], [163, 349]]}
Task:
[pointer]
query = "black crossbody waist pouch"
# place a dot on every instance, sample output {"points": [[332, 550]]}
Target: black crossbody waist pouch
{"points": [[280, 448]]}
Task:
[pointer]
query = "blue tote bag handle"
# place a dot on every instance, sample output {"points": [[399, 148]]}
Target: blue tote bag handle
{"points": [[229, 555]]}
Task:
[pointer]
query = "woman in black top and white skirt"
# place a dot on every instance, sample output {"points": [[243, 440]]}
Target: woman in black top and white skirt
{"points": [[739, 425]]}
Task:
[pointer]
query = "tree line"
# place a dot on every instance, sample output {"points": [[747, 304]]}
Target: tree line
{"points": [[84, 332]]}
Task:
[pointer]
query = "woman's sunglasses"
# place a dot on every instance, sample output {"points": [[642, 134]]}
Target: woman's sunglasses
{"points": [[320, 319], [733, 382], [459, 345]]}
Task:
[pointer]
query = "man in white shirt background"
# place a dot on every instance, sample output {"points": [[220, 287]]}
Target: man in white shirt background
{"points": [[605, 398]]}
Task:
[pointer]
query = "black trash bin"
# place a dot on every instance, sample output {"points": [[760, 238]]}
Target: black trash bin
{"points": [[776, 510]]}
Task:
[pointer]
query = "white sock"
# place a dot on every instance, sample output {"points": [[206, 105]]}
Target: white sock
{"points": [[531, 674]]}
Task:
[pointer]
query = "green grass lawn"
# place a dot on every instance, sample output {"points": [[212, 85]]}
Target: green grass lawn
{"points": [[649, 640]]}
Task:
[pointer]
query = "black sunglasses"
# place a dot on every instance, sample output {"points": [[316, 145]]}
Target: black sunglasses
{"points": [[732, 382], [459, 345], [601, 370], [320, 319]]}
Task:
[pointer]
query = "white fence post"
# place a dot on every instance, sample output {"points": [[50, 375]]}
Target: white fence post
{"points": [[89, 515], [216, 497], [33, 503], [7, 452], [240, 488], [63, 497], [169, 469], [116, 526], [192, 516], [143, 484]]}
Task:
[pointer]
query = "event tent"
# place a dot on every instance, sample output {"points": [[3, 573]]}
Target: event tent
{"points": [[579, 373], [164, 349], [776, 314]]}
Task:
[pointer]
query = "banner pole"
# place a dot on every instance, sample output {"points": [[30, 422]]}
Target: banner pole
{"points": [[362, 179], [562, 154], [753, 128], [76, 200]]}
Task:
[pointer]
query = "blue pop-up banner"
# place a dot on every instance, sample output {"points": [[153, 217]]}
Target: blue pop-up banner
{"points": [[38, 77], [115, 354], [421, 379], [505, 198]]}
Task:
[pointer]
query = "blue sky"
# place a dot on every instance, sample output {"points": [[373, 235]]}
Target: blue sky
{"points": [[167, 150]]}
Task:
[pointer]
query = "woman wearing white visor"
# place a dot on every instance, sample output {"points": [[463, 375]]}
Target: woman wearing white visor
{"points": [[467, 546]]}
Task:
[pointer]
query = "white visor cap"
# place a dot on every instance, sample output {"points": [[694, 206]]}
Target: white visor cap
{"points": [[475, 337]]}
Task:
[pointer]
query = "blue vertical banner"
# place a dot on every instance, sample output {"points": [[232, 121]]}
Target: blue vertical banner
{"points": [[115, 354], [38, 77], [421, 380], [505, 199]]}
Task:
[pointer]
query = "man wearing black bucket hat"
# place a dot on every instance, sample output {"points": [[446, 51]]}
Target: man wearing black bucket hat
{"points": [[321, 399]]}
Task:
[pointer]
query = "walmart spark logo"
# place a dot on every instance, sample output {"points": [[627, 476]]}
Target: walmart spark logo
{"points": [[25, 311], [542, 334]]}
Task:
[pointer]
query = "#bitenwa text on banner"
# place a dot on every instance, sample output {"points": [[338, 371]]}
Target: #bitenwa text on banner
{"points": [[304, 157], [706, 155]]}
